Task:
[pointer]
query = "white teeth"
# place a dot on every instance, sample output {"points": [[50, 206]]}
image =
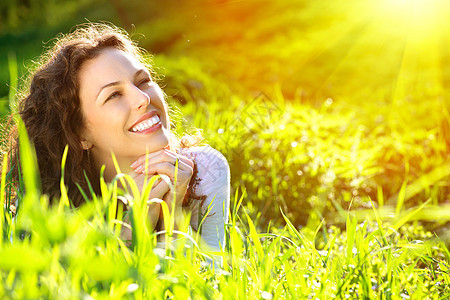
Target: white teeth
{"points": [[146, 124]]}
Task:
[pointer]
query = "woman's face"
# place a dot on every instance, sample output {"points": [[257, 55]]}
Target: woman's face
{"points": [[124, 110]]}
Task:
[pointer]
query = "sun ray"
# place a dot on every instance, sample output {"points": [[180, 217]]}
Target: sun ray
{"points": [[406, 37]]}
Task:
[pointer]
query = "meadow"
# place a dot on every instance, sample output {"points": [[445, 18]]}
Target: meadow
{"points": [[334, 118]]}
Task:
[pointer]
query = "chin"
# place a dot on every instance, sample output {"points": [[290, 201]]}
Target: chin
{"points": [[158, 144]]}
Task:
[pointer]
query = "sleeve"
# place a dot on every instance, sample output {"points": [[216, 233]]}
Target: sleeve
{"points": [[212, 214]]}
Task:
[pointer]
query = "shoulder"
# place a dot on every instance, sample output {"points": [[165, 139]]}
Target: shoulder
{"points": [[211, 164], [204, 152]]}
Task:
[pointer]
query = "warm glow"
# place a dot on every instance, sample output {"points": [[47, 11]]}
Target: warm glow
{"points": [[419, 26], [423, 9], [421, 15]]}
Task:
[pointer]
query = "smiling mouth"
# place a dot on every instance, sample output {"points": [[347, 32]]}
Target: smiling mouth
{"points": [[146, 124]]}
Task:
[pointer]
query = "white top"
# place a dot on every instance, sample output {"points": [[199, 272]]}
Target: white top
{"points": [[214, 174]]}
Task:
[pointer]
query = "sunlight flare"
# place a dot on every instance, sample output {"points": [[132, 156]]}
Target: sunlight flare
{"points": [[420, 27], [417, 15]]}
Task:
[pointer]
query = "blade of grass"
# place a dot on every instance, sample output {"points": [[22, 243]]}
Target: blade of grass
{"points": [[380, 196], [28, 161], [423, 182], [293, 230], [351, 232], [64, 201], [255, 238], [2, 195], [379, 222], [400, 198], [408, 217], [13, 75]]}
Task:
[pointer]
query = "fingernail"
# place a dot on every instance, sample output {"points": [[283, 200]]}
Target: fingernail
{"points": [[134, 165]]}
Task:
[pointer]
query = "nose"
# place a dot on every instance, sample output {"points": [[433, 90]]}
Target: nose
{"points": [[140, 99]]}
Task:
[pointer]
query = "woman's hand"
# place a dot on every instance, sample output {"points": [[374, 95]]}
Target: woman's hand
{"points": [[163, 162], [159, 189]]}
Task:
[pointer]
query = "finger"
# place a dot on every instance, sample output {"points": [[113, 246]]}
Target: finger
{"points": [[182, 158], [159, 189], [163, 155], [146, 160], [169, 170], [146, 157], [166, 168], [183, 163], [186, 160]]}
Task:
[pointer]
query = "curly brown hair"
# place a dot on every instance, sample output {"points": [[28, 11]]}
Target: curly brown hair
{"points": [[51, 109]]}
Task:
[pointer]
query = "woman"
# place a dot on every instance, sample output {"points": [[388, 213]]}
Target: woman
{"points": [[94, 92]]}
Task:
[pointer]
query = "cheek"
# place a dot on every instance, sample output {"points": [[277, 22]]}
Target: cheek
{"points": [[89, 130], [166, 121], [87, 126], [90, 120], [157, 99], [100, 125]]}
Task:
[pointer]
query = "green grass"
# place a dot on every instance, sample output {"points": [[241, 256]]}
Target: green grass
{"points": [[58, 252]]}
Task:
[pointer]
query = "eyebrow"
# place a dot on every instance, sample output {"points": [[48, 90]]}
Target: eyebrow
{"points": [[139, 72]]}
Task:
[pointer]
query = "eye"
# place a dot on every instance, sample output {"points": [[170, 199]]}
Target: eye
{"points": [[113, 95]]}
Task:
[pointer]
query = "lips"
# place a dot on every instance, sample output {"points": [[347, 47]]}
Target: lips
{"points": [[147, 121]]}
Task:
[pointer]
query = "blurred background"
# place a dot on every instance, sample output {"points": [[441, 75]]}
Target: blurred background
{"points": [[318, 105]]}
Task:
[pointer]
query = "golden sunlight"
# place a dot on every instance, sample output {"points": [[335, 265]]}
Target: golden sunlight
{"points": [[421, 26], [402, 42], [421, 15]]}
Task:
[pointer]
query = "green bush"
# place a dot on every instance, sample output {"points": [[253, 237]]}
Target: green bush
{"points": [[313, 162]]}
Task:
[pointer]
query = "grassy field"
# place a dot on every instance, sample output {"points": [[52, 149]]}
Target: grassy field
{"points": [[79, 254], [334, 118]]}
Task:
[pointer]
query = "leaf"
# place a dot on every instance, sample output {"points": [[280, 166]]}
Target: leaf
{"points": [[351, 232], [400, 198], [23, 258], [254, 236], [380, 224], [424, 182], [407, 217], [64, 201], [292, 229]]}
